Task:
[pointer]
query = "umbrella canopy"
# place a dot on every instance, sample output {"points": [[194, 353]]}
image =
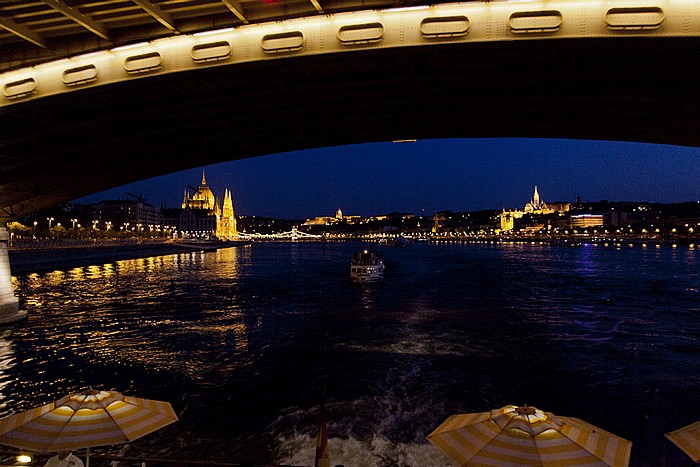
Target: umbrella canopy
{"points": [[688, 440], [83, 420], [525, 436]]}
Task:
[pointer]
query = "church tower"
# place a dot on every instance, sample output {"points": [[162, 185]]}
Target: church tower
{"points": [[536, 198], [227, 228]]}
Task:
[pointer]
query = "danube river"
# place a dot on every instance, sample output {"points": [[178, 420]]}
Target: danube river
{"points": [[242, 342]]}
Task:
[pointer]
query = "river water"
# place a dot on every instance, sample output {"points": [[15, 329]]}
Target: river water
{"points": [[243, 342]]}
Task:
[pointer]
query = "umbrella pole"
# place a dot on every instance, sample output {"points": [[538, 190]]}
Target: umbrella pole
{"points": [[87, 458]]}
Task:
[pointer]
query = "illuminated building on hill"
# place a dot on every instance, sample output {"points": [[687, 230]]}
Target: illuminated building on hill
{"points": [[535, 207], [328, 220]]}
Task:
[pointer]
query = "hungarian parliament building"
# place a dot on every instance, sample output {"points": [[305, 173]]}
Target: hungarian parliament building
{"points": [[203, 216]]}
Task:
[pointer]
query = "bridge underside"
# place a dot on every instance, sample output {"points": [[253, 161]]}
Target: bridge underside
{"points": [[66, 146]]}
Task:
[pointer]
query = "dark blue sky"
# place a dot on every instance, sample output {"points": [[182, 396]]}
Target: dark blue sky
{"points": [[430, 176]]}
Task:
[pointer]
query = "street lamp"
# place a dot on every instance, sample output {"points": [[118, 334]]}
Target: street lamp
{"points": [[50, 219], [74, 221], [34, 230]]}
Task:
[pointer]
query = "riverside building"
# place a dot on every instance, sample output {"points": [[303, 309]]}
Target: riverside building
{"points": [[127, 214]]}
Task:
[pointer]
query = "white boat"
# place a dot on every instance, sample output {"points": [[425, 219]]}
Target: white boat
{"points": [[366, 266]]}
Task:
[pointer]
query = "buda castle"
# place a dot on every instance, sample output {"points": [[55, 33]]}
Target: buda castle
{"points": [[203, 216]]}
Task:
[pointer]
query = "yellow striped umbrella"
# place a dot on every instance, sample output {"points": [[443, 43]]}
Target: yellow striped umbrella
{"points": [[525, 436], [688, 440], [83, 420]]}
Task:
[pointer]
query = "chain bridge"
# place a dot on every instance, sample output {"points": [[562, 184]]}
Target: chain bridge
{"points": [[292, 235]]}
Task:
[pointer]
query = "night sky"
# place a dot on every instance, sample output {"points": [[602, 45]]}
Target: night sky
{"points": [[429, 176]]}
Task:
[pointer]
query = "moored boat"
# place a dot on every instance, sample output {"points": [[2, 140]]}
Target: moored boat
{"points": [[366, 266]]}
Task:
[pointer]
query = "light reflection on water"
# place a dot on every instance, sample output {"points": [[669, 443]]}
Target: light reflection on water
{"points": [[241, 340], [7, 361]]}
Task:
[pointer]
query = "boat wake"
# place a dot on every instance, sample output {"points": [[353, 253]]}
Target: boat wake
{"points": [[386, 426], [375, 452]]}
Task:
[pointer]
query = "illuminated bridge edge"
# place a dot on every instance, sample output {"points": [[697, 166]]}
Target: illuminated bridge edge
{"points": [[458, 23]]}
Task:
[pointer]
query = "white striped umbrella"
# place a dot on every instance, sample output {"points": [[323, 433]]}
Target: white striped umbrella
{"points": [[83, 420], [688, 440], [525, 436]]}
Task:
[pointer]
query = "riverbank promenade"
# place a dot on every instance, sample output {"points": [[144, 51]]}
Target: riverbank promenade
{"points": [[30, 256]]}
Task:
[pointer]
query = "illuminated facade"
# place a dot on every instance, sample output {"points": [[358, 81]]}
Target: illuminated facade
{"points": [[535, 206], [587, 220], [328, 220], [227, 228], [508, 220], [321, 220], [439, 221], [202, 216], [202, 199]]}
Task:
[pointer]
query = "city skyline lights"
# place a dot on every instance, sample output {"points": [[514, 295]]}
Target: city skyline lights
{"points": [[425, 177]]}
